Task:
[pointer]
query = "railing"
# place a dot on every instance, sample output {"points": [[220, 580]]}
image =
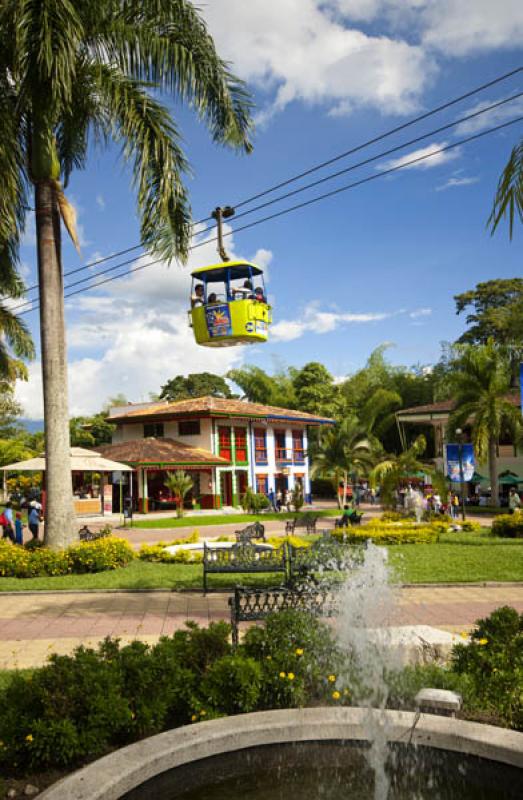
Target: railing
{"points": [[287, 456]]}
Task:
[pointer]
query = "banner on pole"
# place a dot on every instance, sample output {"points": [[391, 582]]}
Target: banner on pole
{"points": [[452, 462]]}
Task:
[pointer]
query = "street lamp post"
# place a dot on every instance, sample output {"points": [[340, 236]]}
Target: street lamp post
{"points": [[459, 434]]}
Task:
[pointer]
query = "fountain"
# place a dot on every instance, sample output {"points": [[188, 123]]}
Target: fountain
{"points": [[358, 753]]}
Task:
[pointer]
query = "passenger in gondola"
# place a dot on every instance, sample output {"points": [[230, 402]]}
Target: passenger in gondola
{"points": [[212, 300], [258, 295], [197, 298], [246, 292]]}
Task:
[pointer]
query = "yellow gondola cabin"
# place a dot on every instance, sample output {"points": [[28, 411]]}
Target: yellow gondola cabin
{"points": [[228, 305]]}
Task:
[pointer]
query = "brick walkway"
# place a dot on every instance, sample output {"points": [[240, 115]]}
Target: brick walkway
{"points": [[34, 625]]}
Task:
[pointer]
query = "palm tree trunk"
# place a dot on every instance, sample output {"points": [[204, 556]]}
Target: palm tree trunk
{"points": [[60, 518], [345, 477], [493, 471]]}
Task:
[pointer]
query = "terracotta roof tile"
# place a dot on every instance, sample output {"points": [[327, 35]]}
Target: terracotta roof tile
{"points": [[159, 451], [448, 405], [216, 406]]}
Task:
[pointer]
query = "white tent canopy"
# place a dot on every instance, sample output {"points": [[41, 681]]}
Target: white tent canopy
{"points": [[82, 460]]}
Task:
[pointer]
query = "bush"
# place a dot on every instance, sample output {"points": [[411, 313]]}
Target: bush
{"points": [[232, 684], [494, 663], [253, 502], [102, 554], [394, 533], [298, 653], [509, 525], [158, 554]]}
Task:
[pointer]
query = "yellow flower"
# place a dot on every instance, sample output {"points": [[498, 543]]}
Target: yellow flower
{"points": [[483, 641], [299, 651], [291, 676], [336, 695], [282, 675], [464, 635], [203, 712], [194, 718], [29, 737], [332, 678], [269, 658]]}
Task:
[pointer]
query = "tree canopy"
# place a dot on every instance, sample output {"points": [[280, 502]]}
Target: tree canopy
{"points": [[198, 384], [494, 310]]}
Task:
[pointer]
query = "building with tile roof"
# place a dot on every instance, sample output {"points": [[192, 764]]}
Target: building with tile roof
{"points": [[225, 445]]}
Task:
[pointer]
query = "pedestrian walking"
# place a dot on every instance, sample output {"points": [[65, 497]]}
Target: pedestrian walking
{"points": [[34, 520], [288, 500], [279, 500], [19, 529], [8, 523], [514, 501]]}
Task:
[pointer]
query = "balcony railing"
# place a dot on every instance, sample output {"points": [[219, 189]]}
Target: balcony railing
{"points": [[288, 456]]}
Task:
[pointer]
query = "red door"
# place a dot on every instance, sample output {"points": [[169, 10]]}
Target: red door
{"points": [[226, 488]]}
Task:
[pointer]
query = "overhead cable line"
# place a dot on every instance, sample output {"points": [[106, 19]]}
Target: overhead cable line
{"points": [[317, 167], [301, 189], [305, 203]]}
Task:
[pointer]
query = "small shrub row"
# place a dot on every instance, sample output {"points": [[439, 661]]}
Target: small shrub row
{"points": [[97, 556], [158, 554], [509, 525], [389, 534]]}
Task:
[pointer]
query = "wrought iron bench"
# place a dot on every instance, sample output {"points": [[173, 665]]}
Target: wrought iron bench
{"points": [[254, 531], [243, 558], [87, 535], [307, 521], [325, 555], [251, 605]]}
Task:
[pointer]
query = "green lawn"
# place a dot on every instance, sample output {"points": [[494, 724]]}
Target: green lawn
{"points": [[458, 558], [192, 521]]}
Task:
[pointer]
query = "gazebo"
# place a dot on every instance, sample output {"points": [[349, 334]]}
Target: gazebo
{"points": [[88, 499]]}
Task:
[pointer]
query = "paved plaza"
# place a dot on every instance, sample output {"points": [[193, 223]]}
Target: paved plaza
{"points": [[34, 625]]}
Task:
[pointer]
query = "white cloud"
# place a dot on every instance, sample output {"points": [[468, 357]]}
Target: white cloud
{"points": [[420, 312], [100, 202], [424, 152], [461, 27], [299, 51], [490, 118], [453, 182], [134, 335], [315, 321]]}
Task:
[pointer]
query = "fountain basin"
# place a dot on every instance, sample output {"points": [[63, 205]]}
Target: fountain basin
{"points": [[134, 771]]}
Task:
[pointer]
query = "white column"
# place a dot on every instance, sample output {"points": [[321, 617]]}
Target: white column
{"points": [[271, 458], [288, 447], [307, 479]]}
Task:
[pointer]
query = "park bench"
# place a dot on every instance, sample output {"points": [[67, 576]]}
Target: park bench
{"points": [[354, 519], [243, 558], [252, 605], [251, 532], [306, 521], [87, 535], [327, 554]]}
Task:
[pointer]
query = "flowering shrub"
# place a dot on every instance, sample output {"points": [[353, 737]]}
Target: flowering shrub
{"points": [[509, 525], [102, 554], [493, 660], [232, 685], [391, 533], [158, 554]]}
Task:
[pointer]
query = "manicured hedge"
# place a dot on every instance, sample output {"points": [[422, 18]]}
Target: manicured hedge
{"points": [[509, 525], [34, 562]]}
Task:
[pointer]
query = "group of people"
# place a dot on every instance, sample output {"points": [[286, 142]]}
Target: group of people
{"points": [[247, 292], [279, 500], [12, 525]]}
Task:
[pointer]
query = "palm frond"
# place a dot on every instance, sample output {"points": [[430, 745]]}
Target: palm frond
{"points": [[509, 193], [16, 333]]}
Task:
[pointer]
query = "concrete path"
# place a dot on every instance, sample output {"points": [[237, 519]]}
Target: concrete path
{"points": [[34, 625]]}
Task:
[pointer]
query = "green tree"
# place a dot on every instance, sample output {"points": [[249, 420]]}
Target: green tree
{"points": [[481, 388], [392, 468], [197, 384], [508, 199], [344, 452], [316, 391], [494, 310], [179, 483], [71, 72], [259, 387]]}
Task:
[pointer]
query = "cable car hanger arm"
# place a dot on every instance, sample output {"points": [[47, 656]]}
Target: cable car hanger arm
{"points": [[219, 214]]}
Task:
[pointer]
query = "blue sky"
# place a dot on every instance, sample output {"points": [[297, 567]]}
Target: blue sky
{"points": [[378, 263]]}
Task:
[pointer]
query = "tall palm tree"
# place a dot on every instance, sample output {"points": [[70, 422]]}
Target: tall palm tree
{"points": [[344, 451], [509, 193], [179, 483], [481, 384], [72, 72]]}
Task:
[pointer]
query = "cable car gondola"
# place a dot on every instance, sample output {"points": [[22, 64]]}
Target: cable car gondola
{"points": [[228, 301]]}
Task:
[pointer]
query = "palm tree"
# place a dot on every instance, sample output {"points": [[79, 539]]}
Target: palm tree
{"points": [[391, 469], [71, 72], [481, 384], [509, 194], [179, 483], [344, 451]]}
